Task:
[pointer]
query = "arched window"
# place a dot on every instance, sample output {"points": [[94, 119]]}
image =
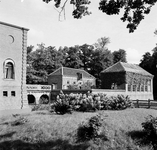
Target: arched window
{"points": [[9, 69]]}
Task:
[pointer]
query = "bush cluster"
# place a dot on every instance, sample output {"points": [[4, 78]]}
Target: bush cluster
{"points": [[89, 130], [89, 102], [150, 128]]}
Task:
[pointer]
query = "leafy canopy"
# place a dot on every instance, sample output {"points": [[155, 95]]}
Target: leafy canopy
{"points": [[133, 10]]}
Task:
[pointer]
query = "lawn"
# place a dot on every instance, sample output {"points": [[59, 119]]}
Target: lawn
{"points": [[42, 130]]}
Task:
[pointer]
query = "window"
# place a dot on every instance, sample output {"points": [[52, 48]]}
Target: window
{"points": [[142, 88], [138, 88], [134, 87], [79, 76], [9, 69], [149, 85], [13, 93], [129, 87], [146, 88], [54, 86], [5, 93]]}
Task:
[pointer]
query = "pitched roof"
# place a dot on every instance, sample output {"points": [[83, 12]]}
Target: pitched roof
{"points": [[15, 26], [125, 67], [71, 72]]}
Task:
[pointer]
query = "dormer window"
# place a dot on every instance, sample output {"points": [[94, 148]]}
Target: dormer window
{"points": [[79, 76]]}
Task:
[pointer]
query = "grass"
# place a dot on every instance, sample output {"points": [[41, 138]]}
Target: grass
{"points": [[41, 130]]}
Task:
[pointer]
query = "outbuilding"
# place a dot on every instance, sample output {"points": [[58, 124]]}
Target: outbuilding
{"points": [[130, 78]]}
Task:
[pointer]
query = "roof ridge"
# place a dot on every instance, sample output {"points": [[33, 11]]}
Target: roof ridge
{"points": [[54, 71], [110, 67], [122, 65], [80, 70]]}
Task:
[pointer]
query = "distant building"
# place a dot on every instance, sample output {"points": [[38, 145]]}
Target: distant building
{"points": [[130, 78], [13, 51], [70, 78]]}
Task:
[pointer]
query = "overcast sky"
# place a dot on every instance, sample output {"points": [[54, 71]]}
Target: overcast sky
{"points": [[42, 20]]}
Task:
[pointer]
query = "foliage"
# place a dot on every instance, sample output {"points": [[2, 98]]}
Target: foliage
{"points": [[150, 127], [134, 11], [102, 43], [119, 102], [102, 59], [41, 62], [83, 86], [90, 102], [72, 58], [149, 63], [86, 53], [89, 130], [109, 78], [119, 55], [91, 58], [61, 106], [39, 107], [45, 131], [44, 99]]}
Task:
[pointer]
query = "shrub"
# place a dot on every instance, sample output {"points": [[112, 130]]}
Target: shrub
{"points": [[90, 102], [62, 108], [62, 105], [119, 102], [40, 107], [89, 130], [150, 127]]}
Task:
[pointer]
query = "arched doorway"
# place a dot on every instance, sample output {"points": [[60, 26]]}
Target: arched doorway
{"points": [[44, 99], [31, 99]]}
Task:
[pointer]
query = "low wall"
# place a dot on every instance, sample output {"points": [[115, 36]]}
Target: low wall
{"points": [[54, 93], [132, 95], [108, 92]]}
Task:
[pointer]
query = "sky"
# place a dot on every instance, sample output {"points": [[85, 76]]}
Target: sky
{"points": [[45, 27]]}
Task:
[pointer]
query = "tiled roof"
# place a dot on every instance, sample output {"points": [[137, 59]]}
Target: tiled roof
{"points": [[71, 72], [125, 67]]}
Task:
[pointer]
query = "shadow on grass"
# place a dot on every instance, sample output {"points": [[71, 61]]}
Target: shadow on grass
{"points": [[50, 145], [141, 138], [8, 135]]}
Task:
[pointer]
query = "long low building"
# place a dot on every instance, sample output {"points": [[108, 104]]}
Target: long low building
{"points": [[127, 79]]}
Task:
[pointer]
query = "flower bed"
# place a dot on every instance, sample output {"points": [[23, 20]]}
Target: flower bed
{"points": [[89, 102]]}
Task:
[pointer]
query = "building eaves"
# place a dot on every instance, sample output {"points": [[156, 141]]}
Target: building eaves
{"points": [[15, 26]]}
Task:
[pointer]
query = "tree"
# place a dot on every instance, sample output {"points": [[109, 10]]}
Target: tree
{"points": [[86, 54], [102, 43], [149, 63], [119, 55], [146, 62], [133, 10], [72, 58], [41, 62], [101, 60]]}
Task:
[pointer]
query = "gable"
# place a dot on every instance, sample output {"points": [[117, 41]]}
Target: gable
{"points": [[125, 67], [71, 72]]}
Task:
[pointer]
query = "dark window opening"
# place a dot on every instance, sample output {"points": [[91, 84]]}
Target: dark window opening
{"points": [[5, 93], [129, 87], [44, 99], [79, 76], [31, 99], [13, 93]]}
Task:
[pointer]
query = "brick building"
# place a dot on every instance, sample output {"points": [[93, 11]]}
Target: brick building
{"points": [[70, 78], [13, 51], [129, 79]]}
